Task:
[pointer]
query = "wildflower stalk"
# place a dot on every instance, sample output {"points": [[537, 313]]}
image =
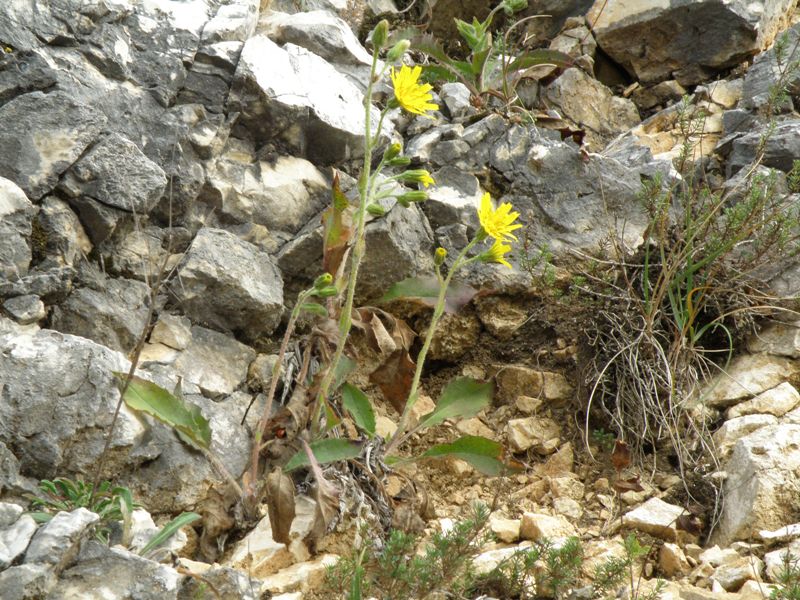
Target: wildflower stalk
{"points": [[438, 311], [366, 188]]}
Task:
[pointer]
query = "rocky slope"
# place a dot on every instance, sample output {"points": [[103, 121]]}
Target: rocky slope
{"points": [[199, 136]]}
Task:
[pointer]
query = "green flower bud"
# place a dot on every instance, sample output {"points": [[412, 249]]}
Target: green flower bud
{"points": [[416, 176], [380, 33], [413, 196], [392, 151], [376, 210], [323, 280], [397, 51], [439, 256], [403, 202], [512, 6], [399, 161], [327, 292]]}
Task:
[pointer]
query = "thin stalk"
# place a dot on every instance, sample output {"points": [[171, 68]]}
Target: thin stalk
{"points": [[364, 187], [438, 311]]}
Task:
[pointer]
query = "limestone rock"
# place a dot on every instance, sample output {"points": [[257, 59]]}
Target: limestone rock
{"points": [[456, 97], [541, 434], [25, 309], [655, 517], [736, 428], [232, 22], [748, 375], [454, 198], [302, 576], [535, 527], [765, 72], [133, 576], [172, 331], [295, 96], [65, 240], [42, 135], [58, 541], [516, 380], [781, 339], [506, 530], [780, 151], [589, 104], [14, 539], [25, 582], [762, 481], [228, 284], [778, 401], [640, 35], [672, 561], [16, 217]]}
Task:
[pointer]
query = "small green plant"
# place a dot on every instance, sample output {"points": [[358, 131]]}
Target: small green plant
{"points": [[394, 570], [112, 503], [489, 69], [615, 571], [604, 439], [788, 578]]}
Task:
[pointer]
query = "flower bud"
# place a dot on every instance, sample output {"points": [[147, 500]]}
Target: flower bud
{"points": [[392, 151], [399, 161], [397, 51], [380, 33], [512, 6], [413, 196], [327, 292], [323, 280], [376, 210], [439, 256], [416, 176]]}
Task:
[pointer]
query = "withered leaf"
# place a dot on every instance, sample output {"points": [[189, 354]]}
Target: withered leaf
{"points": [[327, 496], [628, 485], [280, 504], [621, 456], [337, 230], [394, 378], [217, 521], [690, 523]]}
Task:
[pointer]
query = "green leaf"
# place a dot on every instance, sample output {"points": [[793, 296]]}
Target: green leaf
{"points": [[358, 405], [185, 418], [40, 517], [542, 56], [426, 289], [325, 451], [169, 530], [343, 369], [463, 397], [483, 454]]}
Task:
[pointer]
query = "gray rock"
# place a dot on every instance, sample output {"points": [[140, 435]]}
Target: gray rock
{"points": [[11, 482], [400, 245], [641, 35], [63, 240], [591, 105], [58, 398], [14, 539], [172, 331], [138, 254], [9, 513], [456, 98], [214, 362], [113, 179], [281, 195], [58, 541], [26, 582], [762, 483], [210, 75], [42, 135], [454, 198], [230, 583], [25, 309], [780, 152], [116, 574], [295, 96], [16, 217], [51, 285], [233, 22], [111, 312], [24, 72], [765, 73], [228, 284]]}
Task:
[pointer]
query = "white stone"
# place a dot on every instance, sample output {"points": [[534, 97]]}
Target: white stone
{"points": [[15, 538], [506, 530], [777, 401], [655, 517], [541, 434], [300, 577], [672, 561], [747, 376], [535, 527], [735, 429]]}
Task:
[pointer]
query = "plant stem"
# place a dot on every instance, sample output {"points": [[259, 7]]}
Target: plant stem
{"points": [[364, 189], [438, 311]]}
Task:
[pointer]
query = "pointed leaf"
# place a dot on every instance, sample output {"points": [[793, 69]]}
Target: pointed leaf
{"points": [[343, 369], [314, 308], [187, 420], [325, 451], [280, 504], [463, 397], [358, 405], [482, 453], [426, 289], [395, 377], [337, 233], [542, 56], [169, 530]]}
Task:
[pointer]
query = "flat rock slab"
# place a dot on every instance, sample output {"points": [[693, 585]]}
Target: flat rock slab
{"points": [[655, 517], [58, 541], [687, 40]]}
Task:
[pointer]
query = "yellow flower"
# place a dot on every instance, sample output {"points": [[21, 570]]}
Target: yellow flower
{"points": [[496, 254], [426, 179], [497, 222], [410, 94]]}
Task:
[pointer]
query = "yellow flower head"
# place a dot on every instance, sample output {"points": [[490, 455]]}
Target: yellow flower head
{"points": [[497, 222], [425, 179], [496, 254], [410, 94]]}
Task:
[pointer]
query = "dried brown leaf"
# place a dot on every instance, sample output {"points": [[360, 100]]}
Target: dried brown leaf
{"points": [[621, 456], [327, 496], [280, 504], [394, 378]]}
